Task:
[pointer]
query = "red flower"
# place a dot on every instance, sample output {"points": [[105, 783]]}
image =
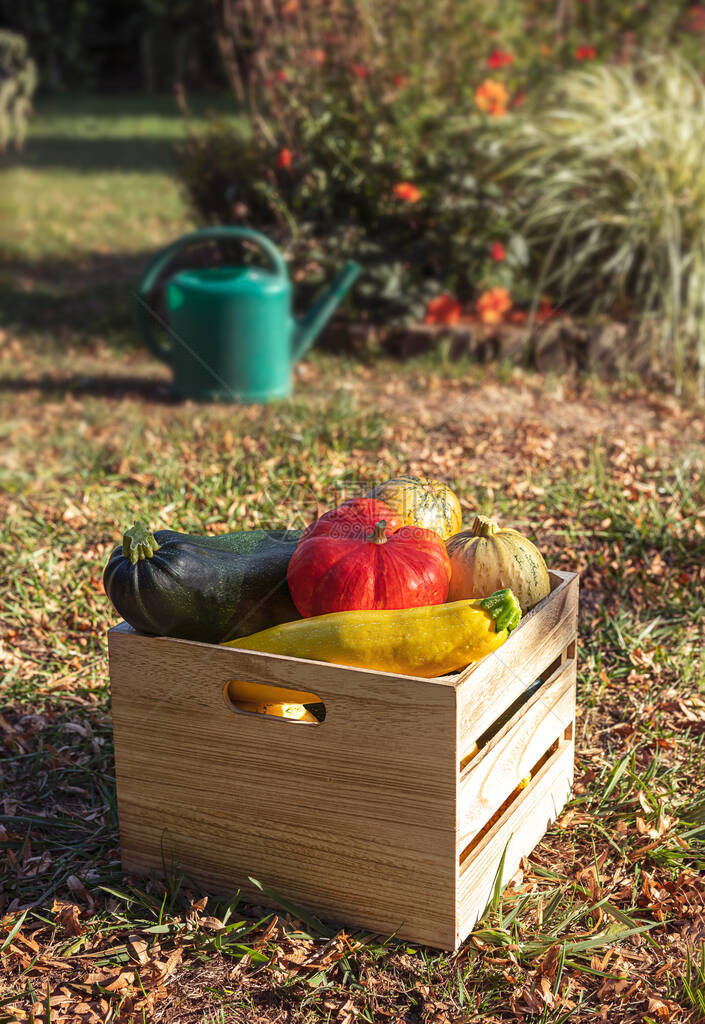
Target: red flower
{"points": [[498, 58], [443, 310], [493, 304], [696, 18], [491, 96], [585, 53], [280, 76], [405, 190], [400, 81], [316, 56], [284, 159], [359, 70], [498, 252], [519, 98], [546, 310]]}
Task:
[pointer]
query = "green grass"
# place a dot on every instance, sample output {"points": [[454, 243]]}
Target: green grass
{"points": [[126, 116], [607, 918], [85, 205], [85, 466], [95, 178]]}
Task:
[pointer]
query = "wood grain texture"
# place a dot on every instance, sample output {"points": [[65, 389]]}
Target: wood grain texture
{"points": [[518, 831], [511, 754], [363, 817], [354, 818], [488, 688]]}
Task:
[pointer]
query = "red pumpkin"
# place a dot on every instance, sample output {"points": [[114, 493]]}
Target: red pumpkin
{"points": [[360, 556]]}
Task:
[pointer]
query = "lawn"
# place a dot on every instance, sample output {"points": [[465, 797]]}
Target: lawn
{"points": [[606, 920], [83, 208]]}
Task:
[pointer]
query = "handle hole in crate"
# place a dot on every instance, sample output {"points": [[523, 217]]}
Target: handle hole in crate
{"points": [[295, 707]]}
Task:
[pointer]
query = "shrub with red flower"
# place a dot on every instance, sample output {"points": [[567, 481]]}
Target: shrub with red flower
{"points": [[695, 18], [397, 137], [492, 97], [546, 310], [500, 58], [493, 304], [316, 56], [406, 191], [443, 310]]}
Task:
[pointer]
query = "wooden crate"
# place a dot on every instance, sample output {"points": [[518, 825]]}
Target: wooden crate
{"points": [[380, 816]]}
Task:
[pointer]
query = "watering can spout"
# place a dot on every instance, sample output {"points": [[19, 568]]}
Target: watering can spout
{"points": [[309, 325]]}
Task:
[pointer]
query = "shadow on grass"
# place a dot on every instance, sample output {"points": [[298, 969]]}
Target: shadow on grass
{"points": [[142, 153], [60, 817], [81, 296], [151, 389], [86, 295]]}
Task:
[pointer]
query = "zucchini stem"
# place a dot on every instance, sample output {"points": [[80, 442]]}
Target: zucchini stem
{"points": [[504, 609], [138, 543]]}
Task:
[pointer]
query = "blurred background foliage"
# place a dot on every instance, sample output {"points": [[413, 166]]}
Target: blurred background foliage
{"points": [[18, 80], [86, 46], [485, 162]]}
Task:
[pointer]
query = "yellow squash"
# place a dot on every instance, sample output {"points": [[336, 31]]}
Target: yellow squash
{"points": [[422, 502], [296, 712], [427, 642]]}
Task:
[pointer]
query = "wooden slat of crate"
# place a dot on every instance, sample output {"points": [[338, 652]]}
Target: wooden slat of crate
{"points": [[279, 669], [354, 818], [510, 755], [488, 688], [518, 831]]}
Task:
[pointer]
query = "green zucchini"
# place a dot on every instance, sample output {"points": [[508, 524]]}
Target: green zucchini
{"points": [[203, 588]]}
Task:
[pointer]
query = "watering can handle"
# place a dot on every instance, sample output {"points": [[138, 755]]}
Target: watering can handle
{"points": [[144, 314]]}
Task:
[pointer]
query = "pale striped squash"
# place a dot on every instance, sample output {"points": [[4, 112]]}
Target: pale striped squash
{"points": [[488, 557]]}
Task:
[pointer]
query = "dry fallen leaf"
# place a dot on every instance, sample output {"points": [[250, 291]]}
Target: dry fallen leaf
{"points": [[137, 948], [658, 1009], [79, 890], [67, 914], [121, 981], [211, 924]]}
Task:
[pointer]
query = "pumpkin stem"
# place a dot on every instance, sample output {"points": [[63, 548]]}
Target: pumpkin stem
{"points": [[378, 535], [138, 542], [483, 526]]}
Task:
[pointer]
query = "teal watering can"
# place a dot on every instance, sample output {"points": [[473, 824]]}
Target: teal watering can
{"points": [[232, 332]]}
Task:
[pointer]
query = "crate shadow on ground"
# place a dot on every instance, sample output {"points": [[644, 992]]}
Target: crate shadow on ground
{"points": [[60, 814]]}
